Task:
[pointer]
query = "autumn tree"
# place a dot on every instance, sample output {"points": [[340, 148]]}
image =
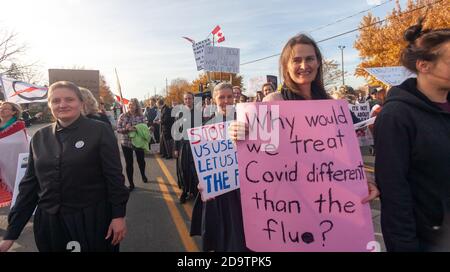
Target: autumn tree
{"points": [[147, 100], [105, 92], [236, 80], [381, 44], [176, 89]]}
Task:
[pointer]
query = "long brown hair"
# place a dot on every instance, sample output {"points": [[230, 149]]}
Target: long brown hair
{"points": [[138, 111], [286, 54]]}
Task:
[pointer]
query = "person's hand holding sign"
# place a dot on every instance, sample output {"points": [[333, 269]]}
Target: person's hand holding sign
{"points": [[237, 131], [373, 192]]}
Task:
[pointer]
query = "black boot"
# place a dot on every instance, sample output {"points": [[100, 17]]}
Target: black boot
{"points": [[183, 198]]}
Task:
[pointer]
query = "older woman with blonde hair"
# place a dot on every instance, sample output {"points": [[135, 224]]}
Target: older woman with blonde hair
{"points": [[90, 107], [219, 220]]}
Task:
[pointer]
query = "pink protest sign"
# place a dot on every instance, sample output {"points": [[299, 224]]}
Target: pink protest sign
{"points": [[302, 178]]}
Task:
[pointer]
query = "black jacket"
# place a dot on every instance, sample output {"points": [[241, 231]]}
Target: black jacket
{"points": [[70, 169], [151, 114], [412, 139], [166, 121]]}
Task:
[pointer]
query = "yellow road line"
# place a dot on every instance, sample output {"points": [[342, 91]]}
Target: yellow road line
{"points": [[188, 242], [369, 169], [187, 206]]}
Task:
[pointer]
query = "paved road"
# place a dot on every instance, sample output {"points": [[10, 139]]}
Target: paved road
{"points": [[156, 221]]}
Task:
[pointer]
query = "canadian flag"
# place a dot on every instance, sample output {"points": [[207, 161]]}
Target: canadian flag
{"points": [[217, 32], [125, 101]]}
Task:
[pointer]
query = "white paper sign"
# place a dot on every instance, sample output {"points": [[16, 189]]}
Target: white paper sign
{"points": [[21, 168], [365, 123], [199, 52], [361, 111], [215, 159], [255, 84], [222, 59], [392, 76]]}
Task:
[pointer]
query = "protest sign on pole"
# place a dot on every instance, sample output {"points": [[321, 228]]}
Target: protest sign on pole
{"points": [[302, 178], [215, 159], [255, 84], [362, 112], [89, 79], [392, 75], [221, 59], [199, 53]]}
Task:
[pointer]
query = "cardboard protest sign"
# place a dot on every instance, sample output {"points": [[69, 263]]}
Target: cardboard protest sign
{"points": [[302, 178], [215, 159], [221, 59], [199, 52], [89, 79], [392, 75]]}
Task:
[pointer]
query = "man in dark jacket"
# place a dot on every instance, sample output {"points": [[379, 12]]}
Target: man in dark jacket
{"points": [[166, 141], [151, 113]]}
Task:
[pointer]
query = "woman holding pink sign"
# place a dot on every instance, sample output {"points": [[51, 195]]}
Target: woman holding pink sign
{"points": [[301, 69]]}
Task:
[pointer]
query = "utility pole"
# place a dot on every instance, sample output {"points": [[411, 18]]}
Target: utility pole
{"points": [[167, 88], [342, 61]]}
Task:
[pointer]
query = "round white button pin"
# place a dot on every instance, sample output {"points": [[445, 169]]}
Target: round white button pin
{"points": [[79, 144]]}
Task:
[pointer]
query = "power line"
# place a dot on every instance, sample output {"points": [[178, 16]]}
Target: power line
{"points": [[348, 17], [347, 32]]}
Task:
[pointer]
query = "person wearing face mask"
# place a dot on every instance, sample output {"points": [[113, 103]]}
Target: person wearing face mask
{"points": [[412, 139], [74, 177]]}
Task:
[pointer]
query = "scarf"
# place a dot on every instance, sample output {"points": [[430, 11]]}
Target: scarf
{"points": [[290, 95]]}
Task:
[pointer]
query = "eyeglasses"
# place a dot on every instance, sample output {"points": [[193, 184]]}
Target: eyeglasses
{"points": [[1, 109]]}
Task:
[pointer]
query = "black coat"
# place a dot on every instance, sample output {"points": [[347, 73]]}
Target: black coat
{"points": [[412, 139], [70, 169], [166, 122]]}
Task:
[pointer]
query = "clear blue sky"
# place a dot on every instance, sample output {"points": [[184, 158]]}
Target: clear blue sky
{"points": [[142, 38]]}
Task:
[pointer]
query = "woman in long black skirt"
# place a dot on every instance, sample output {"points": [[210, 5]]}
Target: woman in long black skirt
{"points": [[219, 220], [74, 177], [187, 176]]}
